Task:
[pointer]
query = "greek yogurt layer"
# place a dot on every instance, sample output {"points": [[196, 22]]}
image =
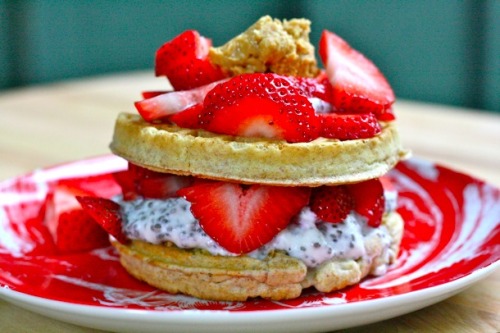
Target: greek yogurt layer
{"points": [[306, 238]]}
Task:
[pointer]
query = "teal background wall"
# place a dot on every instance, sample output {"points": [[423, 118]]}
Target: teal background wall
{"points": [[442, 51]]}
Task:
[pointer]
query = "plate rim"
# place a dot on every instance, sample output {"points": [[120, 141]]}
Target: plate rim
{"points": [[448, 287]]}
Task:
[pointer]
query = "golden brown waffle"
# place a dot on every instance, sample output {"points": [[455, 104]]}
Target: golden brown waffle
{"points": [[171, 149], [279, 276]]}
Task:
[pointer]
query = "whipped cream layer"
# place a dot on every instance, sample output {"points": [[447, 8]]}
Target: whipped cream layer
{"points": [[306, 238]]}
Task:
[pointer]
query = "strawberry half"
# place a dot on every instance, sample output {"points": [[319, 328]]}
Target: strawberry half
{"points": [[369, 200], [260, 105], [106, 213], [242, 218], [332, 203], [78, 232], [358, 85], [184, 61], [349, 126], [158, 107]]}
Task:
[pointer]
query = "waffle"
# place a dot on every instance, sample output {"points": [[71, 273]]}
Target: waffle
{"points": [[277, 277], [170, 149]]}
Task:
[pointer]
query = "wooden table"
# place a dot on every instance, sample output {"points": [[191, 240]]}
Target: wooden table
{"points": [[45, 125]]}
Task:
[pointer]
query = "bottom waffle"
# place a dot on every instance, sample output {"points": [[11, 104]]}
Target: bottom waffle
{"points": [[277, 277]]}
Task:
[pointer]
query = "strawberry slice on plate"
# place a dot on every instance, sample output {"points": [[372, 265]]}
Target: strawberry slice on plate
{"points": [[260, 105], [349, 126], [331, 203], [78, 232], [184, 61], [358, 85], [242, 218], [106, 213], [369, 200]]}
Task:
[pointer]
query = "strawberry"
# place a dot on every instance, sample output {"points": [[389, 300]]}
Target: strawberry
{"points": [[153, 93], [162, 187], [61, 199], [188, 118], [242, 218], [157, 185], [70, 228], [139, 181], [387, 183], [260, 105], [78, 232], [106, 213], [358, 85], [127, 183], [349, 126], [388, 115], [369, 200], [160, 106], [318, 87], [331, 203], [184, 61]]}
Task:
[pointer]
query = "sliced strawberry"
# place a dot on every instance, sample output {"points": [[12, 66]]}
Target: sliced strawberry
{"points": [[162, 187], [141, 182], [157, 185], [184, 61], [70, 229], [78, 232], [358, 85], [369, 200], [349, 126], [127, 183], [59, 200], [387, 183], [161, 106], [319, 86], [153, 93], [332, 203], [189, 118], [106, 213], [242, 218], [388, 115], [260, 105]]}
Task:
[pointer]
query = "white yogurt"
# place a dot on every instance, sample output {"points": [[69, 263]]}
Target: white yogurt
{"points": [[306, 238]]}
